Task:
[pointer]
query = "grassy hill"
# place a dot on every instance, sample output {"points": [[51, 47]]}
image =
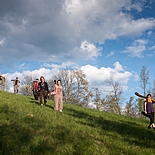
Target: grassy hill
{"points": [[28, 128]]}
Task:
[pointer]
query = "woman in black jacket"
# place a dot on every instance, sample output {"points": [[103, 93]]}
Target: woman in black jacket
{"points": [[43, 88]]}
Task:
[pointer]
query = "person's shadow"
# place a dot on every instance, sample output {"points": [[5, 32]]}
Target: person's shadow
{"points": [[36, 102], [49, 106]]}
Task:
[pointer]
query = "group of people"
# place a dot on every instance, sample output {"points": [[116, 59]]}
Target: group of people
{"points": [[41, 89]]}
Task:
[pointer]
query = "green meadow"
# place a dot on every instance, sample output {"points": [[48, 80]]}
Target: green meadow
{"points": [[28, 128]]}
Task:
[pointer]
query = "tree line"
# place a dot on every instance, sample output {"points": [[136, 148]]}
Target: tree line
{"points": [[76, 91]]}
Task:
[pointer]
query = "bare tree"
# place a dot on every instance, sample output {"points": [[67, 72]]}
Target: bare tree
{"points": [[81, 85], [114, 99], [139, 107], [130, 109], [153, 89], [68, 81], [25, 88], [144, 78], [97, 98]]}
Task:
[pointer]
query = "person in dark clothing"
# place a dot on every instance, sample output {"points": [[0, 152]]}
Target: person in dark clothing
{"points": [[43, 88], [149, 110], [34, 88]]}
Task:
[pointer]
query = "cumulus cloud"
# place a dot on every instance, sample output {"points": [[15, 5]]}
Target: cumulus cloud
{"points": [[95, 76], [56, 30], [87, 51], [99, 76], [137, 48], [47, 73]]}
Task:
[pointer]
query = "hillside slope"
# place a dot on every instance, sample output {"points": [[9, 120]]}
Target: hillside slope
{"points": [[28, 128]]}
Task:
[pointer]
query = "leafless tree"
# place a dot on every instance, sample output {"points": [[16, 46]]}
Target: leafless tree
{"points": [[25, 87], [144, 78], [114, 98]]}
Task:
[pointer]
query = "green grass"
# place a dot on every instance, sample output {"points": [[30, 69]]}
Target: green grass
{"points": [[28, 128]]}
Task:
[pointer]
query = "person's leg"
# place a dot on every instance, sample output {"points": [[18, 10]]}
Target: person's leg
{"points": [[17, 89], [34, 94], [41, 94], [151, 116], [55, 103], [36, 97], [14, 90], [61, 103], [45, 97]]}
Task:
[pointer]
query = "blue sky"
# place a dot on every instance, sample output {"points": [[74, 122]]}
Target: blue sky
{"points": [[105, 38]]}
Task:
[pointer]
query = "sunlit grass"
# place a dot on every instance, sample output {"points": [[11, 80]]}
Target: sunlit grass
{"points": [[28, 128]]}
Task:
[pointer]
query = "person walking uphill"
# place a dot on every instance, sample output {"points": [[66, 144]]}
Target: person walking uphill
{"points": [[58, 96], [16, 84], [34, 88], [43, 88], [149, 110]]}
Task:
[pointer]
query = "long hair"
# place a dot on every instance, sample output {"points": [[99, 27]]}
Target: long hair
{"points": [[41, 78]]}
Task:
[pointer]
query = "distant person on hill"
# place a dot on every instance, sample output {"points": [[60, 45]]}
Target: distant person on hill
{"points": [[2, 79], [54, 90], [58, 96], [16, 84], [149, 110], [43, 89], [34, 88]]}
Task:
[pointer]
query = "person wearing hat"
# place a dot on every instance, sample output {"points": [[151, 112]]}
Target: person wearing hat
{"points": [[16, 84], [43, 89]]}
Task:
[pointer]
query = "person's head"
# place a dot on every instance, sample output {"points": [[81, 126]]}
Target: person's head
{"points": [[16, 78], [59, 82], [42, 79], [148, 95], [37, 80], [55, 81]]}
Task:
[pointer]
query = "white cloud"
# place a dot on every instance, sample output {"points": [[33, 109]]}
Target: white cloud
{"points": [[137, 47], [136, 78], [98, 76], [94, 75], [22, 65], [62, 66], [111, 53], [149, 33], [47, 73], [55, 28], [2, 42], [118, 66], [87, 51], [152, 48]]}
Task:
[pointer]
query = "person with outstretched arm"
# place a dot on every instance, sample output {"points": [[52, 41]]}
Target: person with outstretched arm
{"points": [[44, 91], [149, 110], [16, 84]]}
